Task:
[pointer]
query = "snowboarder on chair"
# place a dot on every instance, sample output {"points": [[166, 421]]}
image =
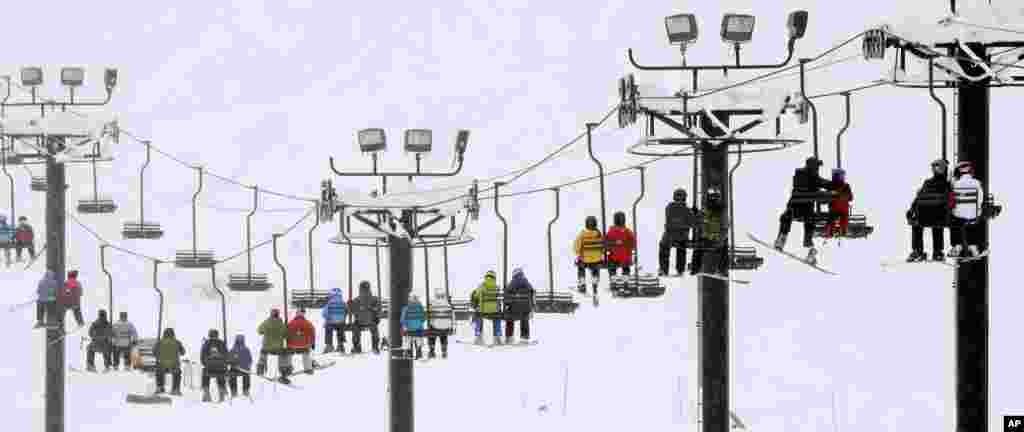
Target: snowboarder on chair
{"points": [[839, 207], [214, 358], [589, 255], [930, 208], [365, 311], [125, 338], [807, 181], [711, 235], [621, 242], [966, 200], [100, 335], [679, 219]]}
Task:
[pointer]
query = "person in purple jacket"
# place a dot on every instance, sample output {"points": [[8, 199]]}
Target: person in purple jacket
{"points": [[241, 362]]}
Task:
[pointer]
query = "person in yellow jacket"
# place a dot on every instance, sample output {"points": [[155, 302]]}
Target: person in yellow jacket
{"points": [[485, 300], [589, 255]]}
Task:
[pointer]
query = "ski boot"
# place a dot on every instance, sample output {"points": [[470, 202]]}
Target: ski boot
{"points": [[175, 392], [206, 395], [812, 256], [444, 352], [917, 256], [478, 340], [508, 340], [328, 349], [261, 367], [938, 256], [581, 285], [222, 395], [159, 390], [245, 392], [90, 368], [780, 242], [662, 273], [498, 341], [431, 355], [972, 251], [956, 251], [340, 349]]}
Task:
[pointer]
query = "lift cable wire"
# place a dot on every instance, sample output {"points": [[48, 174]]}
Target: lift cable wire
{"points": [[266, 242], [104, 241]]}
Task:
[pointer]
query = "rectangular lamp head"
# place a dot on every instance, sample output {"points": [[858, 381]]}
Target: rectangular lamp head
{"points": [[461, 141], [372, 140], [418, 140], [737, 28], [72, 76], [681, 28], [31, 76], [797, 24]]}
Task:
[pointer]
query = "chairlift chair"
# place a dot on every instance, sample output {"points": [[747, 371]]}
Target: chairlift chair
{"points": [[95, 205], [249, 281], [646, 285], [195, 258], [142, 230], [744, 258]]}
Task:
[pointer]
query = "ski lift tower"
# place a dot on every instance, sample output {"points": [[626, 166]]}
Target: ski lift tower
{"points": [[966, 64], [400, 235], [57, 138], [712, 142]]}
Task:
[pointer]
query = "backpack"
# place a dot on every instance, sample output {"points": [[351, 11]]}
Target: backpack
{"points": [[216, 357], [67, 294]]}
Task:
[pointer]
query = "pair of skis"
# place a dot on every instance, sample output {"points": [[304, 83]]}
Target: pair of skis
{"points": [[791, 255]]}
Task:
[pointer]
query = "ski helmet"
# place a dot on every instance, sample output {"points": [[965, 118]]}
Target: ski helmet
{"points": [[490, 274], [364, 285], [679, 195], [619, 218], [591, 222], [812, 162], [965, 167], [213, 334], [517, 272], [838, 174], [940, 166]]}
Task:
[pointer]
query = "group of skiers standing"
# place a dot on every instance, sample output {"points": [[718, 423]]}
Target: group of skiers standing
{"points": [[18, 237]]}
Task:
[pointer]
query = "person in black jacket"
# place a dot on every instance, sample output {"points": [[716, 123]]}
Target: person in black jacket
{"points": [[214, 358], [101, 334], [519, 297], [805, 180], [930, 208], [679, 219]]}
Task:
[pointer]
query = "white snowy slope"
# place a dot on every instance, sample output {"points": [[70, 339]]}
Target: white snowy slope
{"points": [[263, 93]]}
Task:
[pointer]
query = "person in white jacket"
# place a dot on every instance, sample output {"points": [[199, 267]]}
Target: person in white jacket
{"points": [[968, 195], [125, 337]]}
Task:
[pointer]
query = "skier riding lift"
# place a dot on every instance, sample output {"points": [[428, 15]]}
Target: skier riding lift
{"points": [[966, 202], [679, 219], [806, 181], [930, 208]]}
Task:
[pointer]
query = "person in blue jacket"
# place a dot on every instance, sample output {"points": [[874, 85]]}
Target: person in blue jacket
{"points": [[241, 362], [334, 314], [414, 319], [6, 238]]}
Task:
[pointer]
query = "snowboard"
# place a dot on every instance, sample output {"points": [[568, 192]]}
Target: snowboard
{"points": [[492, 345], [791, 255], [889, 264], [72, 332], [971, 259], [723, 278]]}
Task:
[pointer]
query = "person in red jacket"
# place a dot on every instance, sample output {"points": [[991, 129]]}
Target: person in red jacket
{"points": [[301, 340], [70, 297], [621, 243], [839, 207]]}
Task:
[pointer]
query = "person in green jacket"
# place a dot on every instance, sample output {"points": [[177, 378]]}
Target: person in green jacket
{"points": [[485, 300], [168, 352], [713, 233], [275, 333]]}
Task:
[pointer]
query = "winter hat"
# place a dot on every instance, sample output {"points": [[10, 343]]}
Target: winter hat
{"points": [[240, 339], [413, 298], [72, 274], [124, 315], [275, 312], [302, 311], [517, 273], [591, 222], [169, 332], [838, 173], [364, 285], [679, 194], [22, 219], [490, 274], [965, 167], [103, 314], [213, 334], [812, 162], [619, 218]]}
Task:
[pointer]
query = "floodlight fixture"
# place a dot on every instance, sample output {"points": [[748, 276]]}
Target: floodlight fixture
{"points": [[461, 142], [72, 76], [418, 140], [31, 76], [681, 29], [110, 78], [371, 140], [797, 24], [737, 28]]}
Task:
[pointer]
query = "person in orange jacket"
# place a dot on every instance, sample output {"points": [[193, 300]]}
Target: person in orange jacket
{"points": [[589, 255], [301, 340], [621, 242]]}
